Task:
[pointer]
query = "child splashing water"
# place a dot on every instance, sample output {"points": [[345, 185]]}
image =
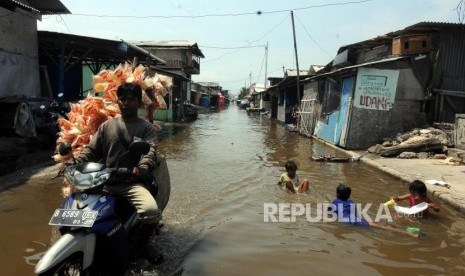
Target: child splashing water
{"points": [[343, 202], [290, 179], [417, 195]]}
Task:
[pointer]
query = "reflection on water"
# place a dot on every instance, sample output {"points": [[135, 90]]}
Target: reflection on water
{"points": [[224, 167]]}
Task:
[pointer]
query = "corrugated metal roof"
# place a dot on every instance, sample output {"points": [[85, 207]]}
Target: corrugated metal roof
{"points": [[293, 72], [208, 84], [355, 66], [418, 28], [38, 6], [428, 26], [172, 44], [88, 49], [315, 68], [167, 43]]}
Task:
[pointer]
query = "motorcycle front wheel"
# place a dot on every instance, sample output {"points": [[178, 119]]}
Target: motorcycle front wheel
{"points": [[71, 266]]}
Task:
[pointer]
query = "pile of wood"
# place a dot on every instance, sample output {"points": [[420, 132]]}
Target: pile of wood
{"points": [[418, 140]]}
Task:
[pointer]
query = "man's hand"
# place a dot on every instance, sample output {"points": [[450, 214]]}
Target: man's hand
{"points": [[142, 170], [62, 168]]}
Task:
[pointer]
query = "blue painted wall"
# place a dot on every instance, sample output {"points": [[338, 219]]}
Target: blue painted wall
{"points": [[332, 131]]}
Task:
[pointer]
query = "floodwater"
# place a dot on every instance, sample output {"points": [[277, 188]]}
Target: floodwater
{"points": [[224, 169]]}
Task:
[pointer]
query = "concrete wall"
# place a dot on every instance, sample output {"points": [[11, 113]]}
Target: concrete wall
{"points": [[408, 86], [368, 127], [19, 65], [459, 131]]}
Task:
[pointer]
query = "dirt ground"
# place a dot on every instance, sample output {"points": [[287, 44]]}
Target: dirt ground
{"points": [[20, 160]]}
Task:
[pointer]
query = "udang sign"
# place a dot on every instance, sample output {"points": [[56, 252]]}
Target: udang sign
{"points": [[375, 88]]}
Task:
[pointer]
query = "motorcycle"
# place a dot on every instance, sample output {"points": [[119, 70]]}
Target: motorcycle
{"points": [[185, 111], [190, 111], [50, 114], [96, 225]]}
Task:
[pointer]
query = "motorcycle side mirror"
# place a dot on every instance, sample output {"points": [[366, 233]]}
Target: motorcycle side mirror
{"points": [[138, 148], [64, 148]]}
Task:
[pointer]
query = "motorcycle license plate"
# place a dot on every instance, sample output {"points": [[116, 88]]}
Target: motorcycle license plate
{"points": [[77, 218]]}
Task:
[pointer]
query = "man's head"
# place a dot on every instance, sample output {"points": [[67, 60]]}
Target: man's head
{"points": [[343, 192], [129, 99]]}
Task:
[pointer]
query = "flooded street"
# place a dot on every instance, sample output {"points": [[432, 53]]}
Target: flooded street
{"points": [[224, 167]]}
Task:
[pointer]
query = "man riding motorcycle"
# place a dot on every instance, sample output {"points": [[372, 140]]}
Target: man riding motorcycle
{"points": [[111, 140]]}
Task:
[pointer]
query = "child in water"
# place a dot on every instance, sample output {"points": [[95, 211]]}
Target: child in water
{"points": [[342, 201], [416, 196], [290, 179]]}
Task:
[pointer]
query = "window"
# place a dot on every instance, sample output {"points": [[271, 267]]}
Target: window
{"points": [[332, 97]]}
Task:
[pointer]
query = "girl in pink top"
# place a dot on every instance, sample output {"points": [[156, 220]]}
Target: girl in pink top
{"points": [[417, 195]]}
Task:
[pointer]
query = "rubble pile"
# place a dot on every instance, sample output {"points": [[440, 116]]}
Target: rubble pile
{"points": [[408, 145]]}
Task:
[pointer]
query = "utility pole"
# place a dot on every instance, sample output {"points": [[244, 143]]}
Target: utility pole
{"points": [[250, 79], [266, 63], [296, 59]]}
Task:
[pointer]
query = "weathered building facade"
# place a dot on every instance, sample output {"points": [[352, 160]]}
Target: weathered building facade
{"points": [[284, 95], [183, 59], [19, 62], [384, 86]]}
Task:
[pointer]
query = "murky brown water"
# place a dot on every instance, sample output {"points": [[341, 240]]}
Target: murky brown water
{"points": [[224, 167]]}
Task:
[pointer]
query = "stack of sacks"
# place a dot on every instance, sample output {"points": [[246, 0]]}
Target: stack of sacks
{"points": [[88, 114]]}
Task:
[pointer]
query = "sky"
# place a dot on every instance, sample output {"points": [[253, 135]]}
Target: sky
{"points": [[233, 35]]}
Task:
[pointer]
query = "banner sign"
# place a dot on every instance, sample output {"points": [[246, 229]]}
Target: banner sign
{"points": [[375, 88]]}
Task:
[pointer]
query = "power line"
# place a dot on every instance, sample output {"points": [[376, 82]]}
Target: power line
{"points": [[223, 14], [64, 22], [228, 48], [252, 46], [272, 29], [461, 10], [223, 55], [261, 67], [242, 79], [314, 41]]}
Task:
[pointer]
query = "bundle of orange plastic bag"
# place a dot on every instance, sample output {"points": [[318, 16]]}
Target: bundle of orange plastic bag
{"points": [[88, 114]]}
